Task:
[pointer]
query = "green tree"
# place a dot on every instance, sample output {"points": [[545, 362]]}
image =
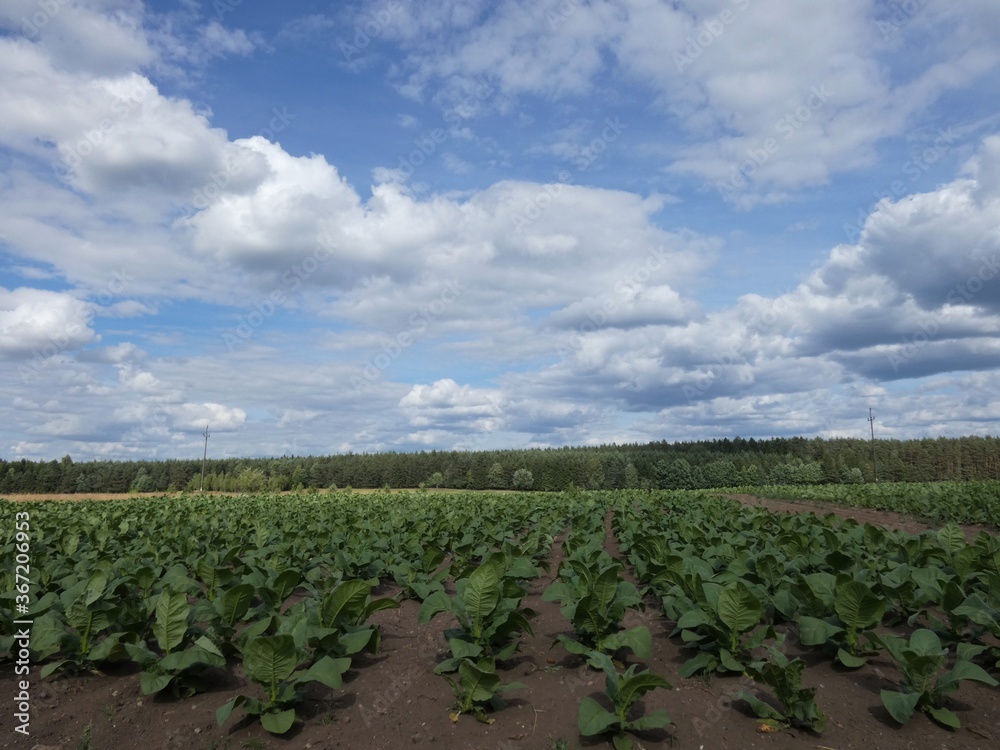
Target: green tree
{"points": [[631, 479], [522, 480], [495, 479], [143, 482]]}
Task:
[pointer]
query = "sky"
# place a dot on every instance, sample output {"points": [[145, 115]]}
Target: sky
{"points": [[321, 228]]}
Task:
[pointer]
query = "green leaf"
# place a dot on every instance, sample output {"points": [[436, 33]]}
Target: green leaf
{"points": [[900, 705], [849, 660], [739, 609], [704, 661], [637, 685], [945, 717], [926, 642], [235, 603], [462, 649], [153, 683], [857, 606], [95, 587], [223, 712], [278, 722], [951, 538], [816, 632], [593, 718], [822, 586], [328, 671], [285, 583], [653, 720], [434, 605], [171, 622], [963, 670], [762, 709], [638, 639], [344, 603], [478, 682], [482, 592], [270, 659]]}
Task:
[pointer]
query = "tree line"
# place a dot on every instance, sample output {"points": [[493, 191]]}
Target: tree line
{"points": [[677, 465]]}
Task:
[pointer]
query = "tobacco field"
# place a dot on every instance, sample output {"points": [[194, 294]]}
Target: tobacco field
{"points": [[608, 619]]}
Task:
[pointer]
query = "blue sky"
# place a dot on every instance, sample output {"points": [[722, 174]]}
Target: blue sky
{"points": [[359, 226]]}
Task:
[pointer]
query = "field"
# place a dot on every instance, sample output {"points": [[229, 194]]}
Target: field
{"points": [[506, 620]]}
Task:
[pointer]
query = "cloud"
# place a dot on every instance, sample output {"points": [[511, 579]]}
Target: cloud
{"points": [[756, 127], [39, 323]]}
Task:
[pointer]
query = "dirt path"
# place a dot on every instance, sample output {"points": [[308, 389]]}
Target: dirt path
{"points": [[886, 519]]}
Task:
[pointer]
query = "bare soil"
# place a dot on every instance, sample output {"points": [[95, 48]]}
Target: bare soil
{"points": [[886, 519], [395, 700]]}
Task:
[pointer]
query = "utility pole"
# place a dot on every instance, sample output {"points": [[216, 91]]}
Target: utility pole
{"points": [[871, 423], [204, 458]]}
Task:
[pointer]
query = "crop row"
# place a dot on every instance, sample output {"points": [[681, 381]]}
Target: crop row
{"points": [[284, 586], [939, 502], [729, 577]]}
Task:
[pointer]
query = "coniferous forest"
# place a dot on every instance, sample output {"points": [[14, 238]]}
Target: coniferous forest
{"points": [[678, 465]]}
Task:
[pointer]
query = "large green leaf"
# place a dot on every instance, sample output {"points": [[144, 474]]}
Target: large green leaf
{"points": [[278, 722], [900, 705], [605, 588], [636, 686], [171, 621], [816, 632], [638, 639], [858, 606], [328, 671], [482, 592], [270, 659], [739, 609], [96, 586], [951, 538], [593, 718], [344, 603], [235, 603], [479, 681], [655, 719]]}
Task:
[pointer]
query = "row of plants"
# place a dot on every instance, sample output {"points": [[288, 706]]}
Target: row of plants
{"points": [[280, 588], [736, 581], [974, 502]]}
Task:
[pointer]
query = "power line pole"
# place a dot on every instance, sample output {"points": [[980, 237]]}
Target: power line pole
{"points": [[871, 423], [204, 458]]}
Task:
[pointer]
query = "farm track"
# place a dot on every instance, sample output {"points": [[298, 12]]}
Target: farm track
{"points": [[883, 518]]}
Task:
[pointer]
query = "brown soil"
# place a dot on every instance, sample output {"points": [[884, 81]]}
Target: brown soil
{"points": [[886, 519], [395, 700]]}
